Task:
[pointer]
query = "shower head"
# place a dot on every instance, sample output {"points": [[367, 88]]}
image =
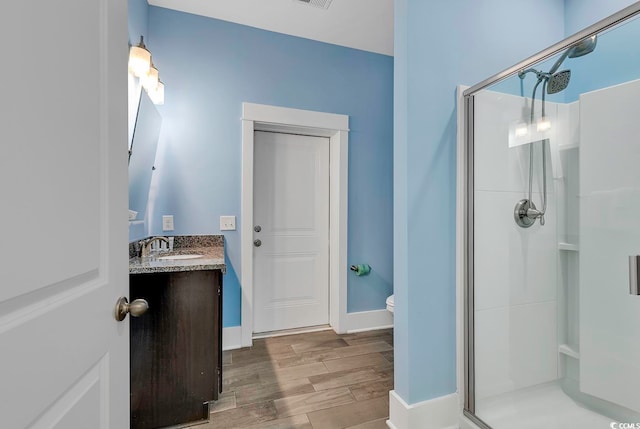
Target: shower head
{"points": [[558, 82], [579, 49], [583, 47]]}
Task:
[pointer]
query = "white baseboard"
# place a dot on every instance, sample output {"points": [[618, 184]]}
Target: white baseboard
{"points": [[356, 322], [369, 321], [437, 413], [232, 338], [293, 331]]}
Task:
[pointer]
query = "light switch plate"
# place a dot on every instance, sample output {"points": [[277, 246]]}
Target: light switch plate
{"points": [[167, 223], [227, 223]]}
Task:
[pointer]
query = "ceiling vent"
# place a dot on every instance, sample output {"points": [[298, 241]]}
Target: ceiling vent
{"points": [[323, 4]]}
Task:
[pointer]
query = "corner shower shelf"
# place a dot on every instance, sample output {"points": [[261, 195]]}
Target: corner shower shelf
{"points": [[568, 246], [574, 145], [572, 350]]}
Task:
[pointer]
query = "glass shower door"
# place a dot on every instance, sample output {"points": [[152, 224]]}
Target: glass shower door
{"points": [[553, 328], [609, 234]]}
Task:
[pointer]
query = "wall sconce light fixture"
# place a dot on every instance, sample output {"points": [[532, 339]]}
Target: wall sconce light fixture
{"points": [[141, 66]]}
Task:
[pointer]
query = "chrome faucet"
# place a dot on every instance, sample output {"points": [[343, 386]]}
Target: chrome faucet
{"points": [[146, 245]]}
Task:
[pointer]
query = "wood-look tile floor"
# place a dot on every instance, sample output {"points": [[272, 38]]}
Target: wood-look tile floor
{"points": [[318, 380]]}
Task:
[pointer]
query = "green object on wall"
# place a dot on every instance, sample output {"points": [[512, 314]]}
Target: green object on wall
{"points": [[361, 269]]}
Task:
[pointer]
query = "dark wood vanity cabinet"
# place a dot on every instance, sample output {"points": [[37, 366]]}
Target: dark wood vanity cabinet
{"points": [[176, 347]]}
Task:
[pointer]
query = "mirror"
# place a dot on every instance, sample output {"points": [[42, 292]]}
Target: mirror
{"points": [[142, 154]]}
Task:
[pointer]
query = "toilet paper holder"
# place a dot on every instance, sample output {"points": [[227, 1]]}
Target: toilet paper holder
{"points": [[361, 269]]}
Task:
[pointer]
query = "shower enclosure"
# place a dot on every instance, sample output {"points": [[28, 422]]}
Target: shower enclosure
{"points": [[552, 236]]}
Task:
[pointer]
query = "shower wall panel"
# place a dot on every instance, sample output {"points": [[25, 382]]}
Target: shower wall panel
{"points": [[515, 268]]}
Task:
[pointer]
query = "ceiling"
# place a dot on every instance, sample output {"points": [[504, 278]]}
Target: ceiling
{"points": [[359, 24]]}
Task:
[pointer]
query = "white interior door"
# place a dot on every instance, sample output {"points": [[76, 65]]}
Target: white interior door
{"points": [[63, 187], [609, 234], [291, 217]]}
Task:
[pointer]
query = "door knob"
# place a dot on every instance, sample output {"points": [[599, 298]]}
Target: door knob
{"points": [[257, 243], [257, 228], [137, 308]]}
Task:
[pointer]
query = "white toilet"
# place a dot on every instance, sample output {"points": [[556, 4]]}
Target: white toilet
{"points": [[390, 304]]}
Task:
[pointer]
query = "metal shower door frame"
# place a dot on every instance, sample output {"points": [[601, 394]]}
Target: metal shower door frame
{"points": [[625, 14]]}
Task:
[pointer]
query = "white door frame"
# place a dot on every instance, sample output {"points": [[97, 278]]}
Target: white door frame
{"points": [[260, 117]]}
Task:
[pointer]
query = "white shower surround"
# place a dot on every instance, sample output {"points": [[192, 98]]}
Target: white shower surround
{"points": [[538, 331], [516, 293]]}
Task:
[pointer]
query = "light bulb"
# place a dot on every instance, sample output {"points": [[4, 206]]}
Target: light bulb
{"points": [[543, 124], [139, 59], [157, 94], [521, 130], [151, 79]]}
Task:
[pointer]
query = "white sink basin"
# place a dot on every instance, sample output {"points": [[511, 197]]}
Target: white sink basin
{"points": [[179, 257]]}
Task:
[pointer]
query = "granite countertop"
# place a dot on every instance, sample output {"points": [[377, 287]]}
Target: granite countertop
{"points": [[211, 247]]}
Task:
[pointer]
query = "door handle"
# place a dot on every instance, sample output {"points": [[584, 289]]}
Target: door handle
{"points": [[634, 280], [137, 308], [257, 243]]}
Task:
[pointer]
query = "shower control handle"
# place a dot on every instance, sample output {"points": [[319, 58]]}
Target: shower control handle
{"points": [[534, 214], [525, 214]]}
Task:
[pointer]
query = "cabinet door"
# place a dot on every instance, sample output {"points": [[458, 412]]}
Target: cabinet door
{"points": [[219, 333], [174, 348]]}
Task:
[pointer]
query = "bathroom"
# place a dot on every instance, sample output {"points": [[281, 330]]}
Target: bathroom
{"points": [[198, 173], [431, 58], [198, 169]]}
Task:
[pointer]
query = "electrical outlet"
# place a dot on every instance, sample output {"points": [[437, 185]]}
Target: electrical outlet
{"points": [[167, 223], [227, 223]]}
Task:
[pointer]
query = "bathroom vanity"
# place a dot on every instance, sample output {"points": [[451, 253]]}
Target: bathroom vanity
{"points": [[176, 346]]}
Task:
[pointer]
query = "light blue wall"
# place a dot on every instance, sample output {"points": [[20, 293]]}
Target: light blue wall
{"points": [[580, 14], [210, 67], [138, 20], [438, 46], [137, 231]]}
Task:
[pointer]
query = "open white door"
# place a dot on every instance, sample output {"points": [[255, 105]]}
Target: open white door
{"points": [[63, 189], [609, 234]]}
